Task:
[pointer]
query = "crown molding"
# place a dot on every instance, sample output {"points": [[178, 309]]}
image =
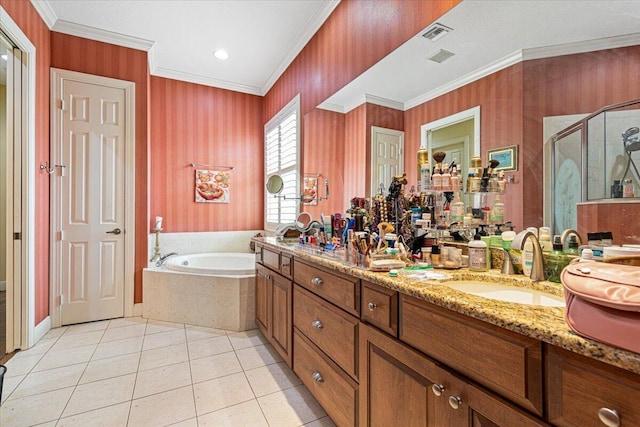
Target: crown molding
{"points": [[44, 9], [206, 81], [581, 47], [495, 66], [325, 8], [105, 36], [336, 108]]}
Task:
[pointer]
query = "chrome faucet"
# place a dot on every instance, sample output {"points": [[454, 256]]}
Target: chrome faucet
{"points": [[163, 258], [566, 233], [537, 269]]}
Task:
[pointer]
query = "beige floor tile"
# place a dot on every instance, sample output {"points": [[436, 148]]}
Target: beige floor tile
{"points": [[49, 380], [41, 347], [36, 409], [163, 339], [111, 416], [255, 357], [210, 367], [112, 367], [67, 357], [21, 364], [126, 321], [9, 384], [162, 379], [157, 326], [195, 333], [222, 392], [161, 409], [124, 332], [163, 356], [290, 407], [192, 422], [247, 414], [118, 348], [322, 422], [77, 340], [240, 340], [54, 333], [209, 347], [100, 394], [271, 378], [81, 328]]}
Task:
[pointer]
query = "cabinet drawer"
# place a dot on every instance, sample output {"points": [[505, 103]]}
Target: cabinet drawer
{"points": [[380, 307], [332, 330], [578, 388], [503, 361], [343, 291], [286, 265], [270, 258], [335, 391]]}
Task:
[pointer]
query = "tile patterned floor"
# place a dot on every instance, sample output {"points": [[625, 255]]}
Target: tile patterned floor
{"points": [[138, 373]]}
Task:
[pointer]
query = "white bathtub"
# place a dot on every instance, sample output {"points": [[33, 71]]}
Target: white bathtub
{"points": [[214, 290], [215, 264]]}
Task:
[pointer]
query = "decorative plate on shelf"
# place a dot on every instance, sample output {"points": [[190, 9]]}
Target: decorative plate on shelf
{"points": [[567, 194]]}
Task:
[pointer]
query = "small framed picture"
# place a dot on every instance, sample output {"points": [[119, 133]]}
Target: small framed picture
{"points": [[507, 156]]}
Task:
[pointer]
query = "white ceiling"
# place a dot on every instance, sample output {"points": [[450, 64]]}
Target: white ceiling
{"points": [[489, 35], [262, 37]]}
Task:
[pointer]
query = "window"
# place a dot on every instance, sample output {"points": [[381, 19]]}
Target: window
{"points": [[281, 142]]}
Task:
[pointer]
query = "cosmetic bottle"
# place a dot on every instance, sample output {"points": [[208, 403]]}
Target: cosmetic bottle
{"points": [[436, 180], [477, 254], [457, 209], [497, 213], [425, 177], [455, 179], [544, 237], [445, 185], [556, 261], [572, 248]]}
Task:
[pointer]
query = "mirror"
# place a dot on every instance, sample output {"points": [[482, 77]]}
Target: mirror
{"points": [[516, 82], [275, 184], [303, 222]]}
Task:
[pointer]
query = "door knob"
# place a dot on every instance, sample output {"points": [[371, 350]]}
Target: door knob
{"points": [[114, 231], [455, 402]]}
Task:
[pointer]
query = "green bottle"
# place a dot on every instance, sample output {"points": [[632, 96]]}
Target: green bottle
{"points": [[556, 261]]}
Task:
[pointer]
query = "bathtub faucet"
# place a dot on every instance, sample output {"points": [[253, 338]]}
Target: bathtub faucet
{"points": [[163, 258]]}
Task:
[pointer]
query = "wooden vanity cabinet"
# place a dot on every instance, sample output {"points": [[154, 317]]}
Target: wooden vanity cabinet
{"points": [[274, 303], [578, 389], [400, 386], [380, 307]]}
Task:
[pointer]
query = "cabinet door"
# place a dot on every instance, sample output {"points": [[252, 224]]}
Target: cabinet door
{"points": [[281, 322], [396, 385], [263, 285]]}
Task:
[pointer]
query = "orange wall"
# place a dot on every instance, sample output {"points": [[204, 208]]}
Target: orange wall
{"points": [[190, 123], [102, 59], [357, 35], [355, 171], [26, 17]]}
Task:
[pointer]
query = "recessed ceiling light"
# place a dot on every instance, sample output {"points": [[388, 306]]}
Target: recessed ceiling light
{"points": [[4, 57], [221, 54]]}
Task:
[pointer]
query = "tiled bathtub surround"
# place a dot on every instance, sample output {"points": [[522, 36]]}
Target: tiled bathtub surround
{"points": [[133, 372]]}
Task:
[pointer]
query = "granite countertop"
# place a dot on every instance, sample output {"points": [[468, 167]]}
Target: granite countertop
{"points": [[543, 323]]}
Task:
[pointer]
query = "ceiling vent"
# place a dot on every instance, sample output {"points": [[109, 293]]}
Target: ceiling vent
{"points": [[436, 31], [440, 56]]}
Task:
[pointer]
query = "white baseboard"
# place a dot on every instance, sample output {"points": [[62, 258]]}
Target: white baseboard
{"points": [[41, 330], [137, 310]]}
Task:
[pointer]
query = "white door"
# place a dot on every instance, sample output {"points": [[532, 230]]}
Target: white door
{"points": [[387, 156], [92, 153]]}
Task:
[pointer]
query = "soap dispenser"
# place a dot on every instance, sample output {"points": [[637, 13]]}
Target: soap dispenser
{"points": [[557, 260], [477, 254]]}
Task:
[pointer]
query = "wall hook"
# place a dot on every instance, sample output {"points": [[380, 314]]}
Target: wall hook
{"points": [[45, 167]]}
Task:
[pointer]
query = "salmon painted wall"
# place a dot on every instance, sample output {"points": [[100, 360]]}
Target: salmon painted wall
{"points": [[190, 123], [570, 84], [355, 171], [500, 98], [357, 35], [323, 152], [103, 59], [619, 217], [26, 17]]}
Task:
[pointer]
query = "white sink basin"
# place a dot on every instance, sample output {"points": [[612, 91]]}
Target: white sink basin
{"points": [[507, 293]]}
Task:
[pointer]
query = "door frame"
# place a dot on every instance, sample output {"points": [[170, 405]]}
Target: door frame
{"points": [[21, 331], [57, 80], [375, 130]]}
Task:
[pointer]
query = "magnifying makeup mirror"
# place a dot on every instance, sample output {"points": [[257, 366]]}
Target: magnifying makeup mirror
{"points": [[303, 222], [275, 184]]}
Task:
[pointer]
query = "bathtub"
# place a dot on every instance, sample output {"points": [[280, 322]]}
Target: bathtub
{"points": [[213, 290]]}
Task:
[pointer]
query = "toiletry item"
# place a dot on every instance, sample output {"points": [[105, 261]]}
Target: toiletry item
{"points": [[587, 255], [486, 214], [455, 179], [497, 213], [445, 184], [527, 253], [556, 261], [390, 239], [516, 260], [502, 182], [435, 255], [477, 254], [544, 237], [457, 209], [475, 182], [493, 183], [416, 214], [594, 239], [507, 238], [496, 239], [426, 255], [425, 177], [572, 249], [436, 179], [627, 188], [606, 238], [616, 189], [423, 158]]}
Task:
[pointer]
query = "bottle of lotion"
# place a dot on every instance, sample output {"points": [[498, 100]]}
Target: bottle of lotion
{"points": [[477, 254]]}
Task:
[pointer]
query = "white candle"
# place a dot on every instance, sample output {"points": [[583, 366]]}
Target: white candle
{"points": [[158, 223]]}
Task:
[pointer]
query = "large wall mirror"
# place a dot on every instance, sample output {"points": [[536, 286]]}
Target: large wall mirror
{"points": [[516, 76]]}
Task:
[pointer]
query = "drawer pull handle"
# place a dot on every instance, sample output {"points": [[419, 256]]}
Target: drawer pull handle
{"points": [[316, 281], [372, 306], [455, 402], [317, 377], [317, 324], [437, 389], [609, 417]]}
